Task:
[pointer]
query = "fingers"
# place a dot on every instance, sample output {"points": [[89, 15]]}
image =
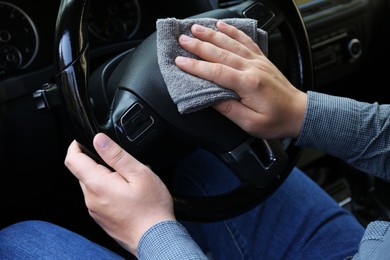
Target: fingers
{"points": [[229, 38], [210, 52], [218, 73], [117, 158], [239, 36], [83, 166], [79, 163], [218, 65], [241, 115], [230, 49], [228, 57]]}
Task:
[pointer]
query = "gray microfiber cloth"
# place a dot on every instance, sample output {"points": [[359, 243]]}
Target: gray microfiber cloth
{"points": [[188, 92]]}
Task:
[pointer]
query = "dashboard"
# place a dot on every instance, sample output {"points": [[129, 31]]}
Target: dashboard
{"points": [[338, 29], [347, 43], [27, 32]]}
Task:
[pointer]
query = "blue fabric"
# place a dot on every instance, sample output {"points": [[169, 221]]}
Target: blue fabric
{"points": [[376, 242], [42, 240], [298, 221], [169, 233], [357, 132]]}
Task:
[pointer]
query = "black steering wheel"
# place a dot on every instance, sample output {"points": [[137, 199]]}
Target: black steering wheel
{"points": [[127, 99]]}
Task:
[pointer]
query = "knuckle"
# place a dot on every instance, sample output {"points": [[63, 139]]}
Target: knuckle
{"points": [[116, 156], [225, 107], [142, 168], [235, 45], [223, 56], [217, 71], [252, 80], [67, 162], [250, 126]]}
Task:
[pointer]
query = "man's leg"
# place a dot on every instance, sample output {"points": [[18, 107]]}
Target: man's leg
{"points": [[43, 240], [298, 221]]}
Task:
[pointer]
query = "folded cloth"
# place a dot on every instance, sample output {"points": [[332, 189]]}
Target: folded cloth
{"points": [[189, 92]]}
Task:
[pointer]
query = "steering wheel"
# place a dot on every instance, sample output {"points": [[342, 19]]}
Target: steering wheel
{"points": [[127, 99]]}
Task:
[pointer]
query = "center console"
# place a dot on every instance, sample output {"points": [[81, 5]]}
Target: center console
{"points": [[337, 36]]}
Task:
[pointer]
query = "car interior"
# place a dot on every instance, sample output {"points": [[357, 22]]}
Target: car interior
{"points": [[61, 63]]}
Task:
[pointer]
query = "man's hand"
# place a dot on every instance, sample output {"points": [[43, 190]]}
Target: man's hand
{"points": [[126, 202], [270, 106]]}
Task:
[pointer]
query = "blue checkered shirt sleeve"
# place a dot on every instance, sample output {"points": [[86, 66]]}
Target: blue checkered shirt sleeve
{"points": [[357, 132]]}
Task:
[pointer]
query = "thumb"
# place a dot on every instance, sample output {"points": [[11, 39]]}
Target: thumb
{"points": [[114, 155]]}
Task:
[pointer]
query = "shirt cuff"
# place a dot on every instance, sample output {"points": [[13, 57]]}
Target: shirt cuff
{"points": [[168, 240]]}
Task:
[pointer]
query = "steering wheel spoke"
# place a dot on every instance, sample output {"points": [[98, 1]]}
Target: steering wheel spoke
{"points": [[268, 16], [257, 161]]}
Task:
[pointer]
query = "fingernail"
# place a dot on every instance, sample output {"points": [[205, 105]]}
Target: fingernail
{"points": [[102, 141], [199, 28], [185, 38], [220, 22], [181, 59]]}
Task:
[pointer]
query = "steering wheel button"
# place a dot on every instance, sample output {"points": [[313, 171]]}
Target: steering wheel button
{"points": [[259, 12], [136, 121]]}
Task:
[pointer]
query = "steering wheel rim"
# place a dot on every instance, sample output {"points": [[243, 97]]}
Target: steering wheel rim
{"points": [[133, 97]]}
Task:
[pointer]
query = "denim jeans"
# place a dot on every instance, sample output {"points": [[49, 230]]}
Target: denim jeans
{"points": [[42, 240], [298, 221]]}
